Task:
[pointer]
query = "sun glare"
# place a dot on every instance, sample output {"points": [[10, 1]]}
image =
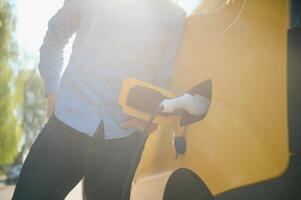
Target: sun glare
{"points": [[189, 5], [33, 20]]}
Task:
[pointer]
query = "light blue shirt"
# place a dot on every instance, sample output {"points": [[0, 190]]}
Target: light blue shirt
{"points": [[115, 39]]}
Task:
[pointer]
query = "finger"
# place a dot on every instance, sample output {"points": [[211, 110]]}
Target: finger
{"points": [[49, 112], [128, 124], [153, 128], [125, 125]]}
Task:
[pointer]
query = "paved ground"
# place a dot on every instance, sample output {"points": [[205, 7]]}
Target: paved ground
{"points": [[7, 191]]}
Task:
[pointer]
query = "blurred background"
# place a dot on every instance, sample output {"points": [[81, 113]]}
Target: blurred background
{"points": [[23, 25]]}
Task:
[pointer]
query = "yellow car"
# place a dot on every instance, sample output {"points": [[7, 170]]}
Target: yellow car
{"points": [[248, 145]]}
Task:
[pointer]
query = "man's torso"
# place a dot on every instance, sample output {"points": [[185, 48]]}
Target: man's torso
{"points": [[114, 40]]}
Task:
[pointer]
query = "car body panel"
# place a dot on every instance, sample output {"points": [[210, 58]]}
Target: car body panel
{"points": [[242, 48]]}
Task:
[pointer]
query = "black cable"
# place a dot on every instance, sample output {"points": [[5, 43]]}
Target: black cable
{"points": [[136, 157], [151, 120]]}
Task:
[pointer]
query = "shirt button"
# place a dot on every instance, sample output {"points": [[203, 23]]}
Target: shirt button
{"points": [[113, 65], [103, 107], [107, 87]]}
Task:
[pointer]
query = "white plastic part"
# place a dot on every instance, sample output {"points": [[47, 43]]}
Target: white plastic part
{"points": [[195, 105]]}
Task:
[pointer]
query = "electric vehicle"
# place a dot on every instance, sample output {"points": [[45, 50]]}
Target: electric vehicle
{"points": [[247, 145]]}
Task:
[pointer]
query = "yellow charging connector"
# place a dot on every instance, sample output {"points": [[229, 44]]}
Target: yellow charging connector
{"points": [[140, 89]]}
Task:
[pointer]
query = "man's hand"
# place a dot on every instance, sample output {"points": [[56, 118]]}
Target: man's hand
{"points": [[50, 102], [139, 124]]}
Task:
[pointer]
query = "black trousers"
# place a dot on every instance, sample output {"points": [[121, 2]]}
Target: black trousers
{"points": [[61, 156]]}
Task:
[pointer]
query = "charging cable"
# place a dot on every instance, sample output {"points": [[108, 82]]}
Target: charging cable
{"points": [[136, 157], [194, 104]]}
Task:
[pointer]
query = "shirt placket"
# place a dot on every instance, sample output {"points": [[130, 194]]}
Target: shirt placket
{"points": [[106, 86]]}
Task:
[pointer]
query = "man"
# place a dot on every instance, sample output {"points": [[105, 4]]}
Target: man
{"points": [[88, 135]]}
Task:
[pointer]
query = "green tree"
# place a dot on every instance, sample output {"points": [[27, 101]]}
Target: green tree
{"points": [[10, 126], [32, 112]]}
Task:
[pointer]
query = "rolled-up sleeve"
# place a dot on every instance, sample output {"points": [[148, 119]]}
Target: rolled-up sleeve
{"points": [[168, 60], [61, 27]]}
